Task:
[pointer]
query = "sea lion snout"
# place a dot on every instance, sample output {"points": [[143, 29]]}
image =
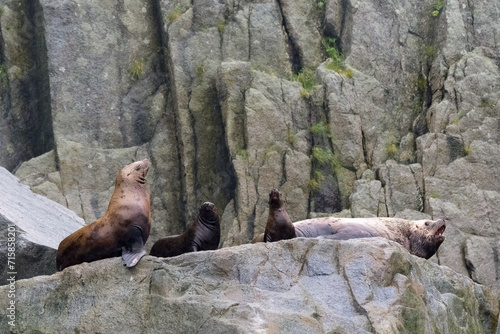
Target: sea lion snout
{"points": [[274, 195], [208, 206], [144, 164], [440, 227]]}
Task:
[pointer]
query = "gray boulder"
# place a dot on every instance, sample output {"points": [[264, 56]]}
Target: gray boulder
{"points": [[294, 286], [38, 226]]}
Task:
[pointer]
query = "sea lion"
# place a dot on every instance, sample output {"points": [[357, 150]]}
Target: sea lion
{"points": [[278, 226], [203, 234], [420, 237], [124, 228]]}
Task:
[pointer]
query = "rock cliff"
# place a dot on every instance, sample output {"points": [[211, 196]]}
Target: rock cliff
{"points": [[294, 286], [369, 108]]}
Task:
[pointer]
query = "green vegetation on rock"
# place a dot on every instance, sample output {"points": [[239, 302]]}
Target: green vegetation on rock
{"points": [[292, 138], [174, 15], [321, 128], [321, 155], [336, 58], [430, 51], [306, 77], [243, 153], [136, 69], [392, 148], [221, 26], [315, 182], [438, 7], [200, 70]]}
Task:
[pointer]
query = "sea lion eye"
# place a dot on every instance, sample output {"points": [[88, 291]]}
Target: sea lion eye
{"points": [[427, 223], [138, 167]]}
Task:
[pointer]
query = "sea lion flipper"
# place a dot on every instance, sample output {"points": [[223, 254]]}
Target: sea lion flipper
{"points": [[133, 249], [131, 259]]}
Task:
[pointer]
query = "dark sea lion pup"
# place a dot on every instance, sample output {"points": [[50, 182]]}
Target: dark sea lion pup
{"points": [[124, 228], [279, 225], [420, 237], [203, 234]]}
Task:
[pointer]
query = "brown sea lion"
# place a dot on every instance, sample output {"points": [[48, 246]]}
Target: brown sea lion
{"points": [[278, 226], [420, 237], [203, 234], [124, 228]]}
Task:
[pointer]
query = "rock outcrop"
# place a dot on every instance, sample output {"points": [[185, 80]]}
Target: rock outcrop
{"points": [[294, 286], [35, 224], [377, 108]]}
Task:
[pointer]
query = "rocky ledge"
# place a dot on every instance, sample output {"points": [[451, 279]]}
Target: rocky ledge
{"points": [[295, 286]]}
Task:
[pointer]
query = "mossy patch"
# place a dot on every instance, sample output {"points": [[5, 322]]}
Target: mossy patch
{"points": [[321, 155], [291, 137], [221, 26], [307, 78], [315, 182], [335, 58], [200, 70], [437, 7], [321, 128], [174, 15], [430, 51], [136, 69], [467, 150], [400, 264], [413, 312], [243, 154], [421, 84]]}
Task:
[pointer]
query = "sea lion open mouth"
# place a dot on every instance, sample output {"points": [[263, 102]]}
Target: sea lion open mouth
{"points": [[440, 230], [275, 197]]}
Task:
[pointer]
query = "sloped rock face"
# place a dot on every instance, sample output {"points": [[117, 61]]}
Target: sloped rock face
{"points": [[205, 90], [295, 286], [35, 225]]}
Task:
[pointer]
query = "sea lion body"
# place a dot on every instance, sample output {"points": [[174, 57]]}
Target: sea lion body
{"points": [[203, 234], [278, 226], [122, 230], [420, 237]]}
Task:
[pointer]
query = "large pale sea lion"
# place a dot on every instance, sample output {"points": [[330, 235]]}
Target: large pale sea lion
{"points": [[203, 234], [420, 237], [124, 228]]}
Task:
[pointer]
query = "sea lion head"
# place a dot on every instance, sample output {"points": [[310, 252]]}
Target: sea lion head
{"points": [[208, 212], [135, 172], [426, 236], [275, 199]]}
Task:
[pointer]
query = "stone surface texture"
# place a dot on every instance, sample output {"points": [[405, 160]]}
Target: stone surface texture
{"points": [[294, 286]]}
